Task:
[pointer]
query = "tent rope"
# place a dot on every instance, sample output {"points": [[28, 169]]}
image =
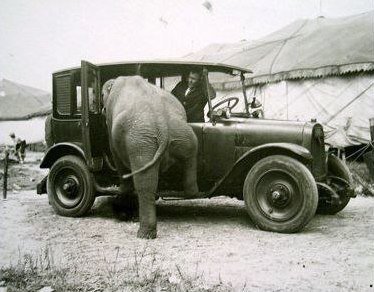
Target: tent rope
{"points": [[349, 103], [361, 151]]}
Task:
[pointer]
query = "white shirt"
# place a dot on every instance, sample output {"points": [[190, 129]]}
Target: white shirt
{"points": [[188, 90]]}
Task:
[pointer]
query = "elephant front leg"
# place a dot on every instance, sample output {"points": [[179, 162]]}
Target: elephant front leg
{"points": [[125, 205], [190, 186], [184, 147], [146, 186]]}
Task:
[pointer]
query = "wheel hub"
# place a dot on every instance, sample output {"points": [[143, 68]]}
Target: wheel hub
{"points": [[70, 186], [279, 195], [68, 189]]}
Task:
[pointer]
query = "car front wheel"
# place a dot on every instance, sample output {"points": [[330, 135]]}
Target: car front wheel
{"points": [[280, 194], [70, 187]]}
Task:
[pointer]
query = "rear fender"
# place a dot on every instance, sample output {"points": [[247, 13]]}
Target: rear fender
{"points": [[236, 176], [59, 150]]}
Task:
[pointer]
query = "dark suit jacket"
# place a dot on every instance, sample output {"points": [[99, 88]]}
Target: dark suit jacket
{"points": [[194, 102]]}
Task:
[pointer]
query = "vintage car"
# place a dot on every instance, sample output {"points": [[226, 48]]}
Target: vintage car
{"points": [[280, 169]]}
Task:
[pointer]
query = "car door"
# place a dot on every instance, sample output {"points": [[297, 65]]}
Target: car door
{"points": [[93, 132], [218, 155]]}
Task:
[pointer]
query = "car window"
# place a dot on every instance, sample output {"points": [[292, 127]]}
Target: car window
{"points": [[171, 82], [91, 98], [78, 91]]}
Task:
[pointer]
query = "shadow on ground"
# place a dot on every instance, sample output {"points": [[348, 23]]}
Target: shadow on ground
{"points": [[197, 211]]}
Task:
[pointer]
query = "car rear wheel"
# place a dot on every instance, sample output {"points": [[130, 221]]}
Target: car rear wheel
{"points": [[70, 187], [280, 194], [336, 168]]}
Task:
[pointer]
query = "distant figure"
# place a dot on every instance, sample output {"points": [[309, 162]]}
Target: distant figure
{"points": [[191, 94], [19, 148]]}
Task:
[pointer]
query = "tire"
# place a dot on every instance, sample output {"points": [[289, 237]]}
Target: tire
{"points": [[336, 167], [70, 188], [280, 194]]}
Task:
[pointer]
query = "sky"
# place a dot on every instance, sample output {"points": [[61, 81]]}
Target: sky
{"points": [[38, 37]]}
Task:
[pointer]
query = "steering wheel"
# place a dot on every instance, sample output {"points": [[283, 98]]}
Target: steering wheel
{"points": [[228, 100]]}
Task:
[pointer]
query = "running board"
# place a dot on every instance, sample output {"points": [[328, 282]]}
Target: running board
{"points": [[178, 196]]}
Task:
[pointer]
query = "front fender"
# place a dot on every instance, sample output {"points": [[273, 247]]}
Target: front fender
{"points": [[299, 152], [59, 150], [234, 179]]}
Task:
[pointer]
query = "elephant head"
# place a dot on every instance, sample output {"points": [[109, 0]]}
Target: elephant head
{"points": [[105, 91]]}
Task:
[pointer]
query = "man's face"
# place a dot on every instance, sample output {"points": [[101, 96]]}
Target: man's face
{"points": [[193, 79]]}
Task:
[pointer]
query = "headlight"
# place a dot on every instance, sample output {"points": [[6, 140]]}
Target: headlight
{"points": [[227, 114]]}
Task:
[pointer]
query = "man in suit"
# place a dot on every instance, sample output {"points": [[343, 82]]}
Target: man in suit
{"points": [[190, 92]]}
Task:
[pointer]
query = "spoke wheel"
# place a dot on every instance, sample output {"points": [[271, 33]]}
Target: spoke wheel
{"points": [[70, 188], [280, 194]]}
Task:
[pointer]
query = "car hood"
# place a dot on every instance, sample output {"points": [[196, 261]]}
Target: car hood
{"points": [[254, 132]]}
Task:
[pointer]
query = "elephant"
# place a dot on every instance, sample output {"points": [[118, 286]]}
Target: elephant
{"points": [[148, 132]]}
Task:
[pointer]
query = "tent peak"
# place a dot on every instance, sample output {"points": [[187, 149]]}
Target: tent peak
{"points": [[306, 48]]}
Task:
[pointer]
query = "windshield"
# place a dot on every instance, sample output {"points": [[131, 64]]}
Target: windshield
{"points": [[228, 86], [190, 91]]}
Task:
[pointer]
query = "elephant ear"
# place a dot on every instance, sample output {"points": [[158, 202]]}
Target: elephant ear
{"points": [[107, 87]]}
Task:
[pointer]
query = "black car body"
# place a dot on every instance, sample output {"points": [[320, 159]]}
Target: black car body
{"points": [[234, 150]]}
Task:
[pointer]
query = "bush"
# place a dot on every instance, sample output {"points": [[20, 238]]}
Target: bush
{"points": [[362, 180], [32, 273]]}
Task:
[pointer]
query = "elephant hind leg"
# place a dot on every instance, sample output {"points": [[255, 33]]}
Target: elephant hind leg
{"points": [[145, 184]]}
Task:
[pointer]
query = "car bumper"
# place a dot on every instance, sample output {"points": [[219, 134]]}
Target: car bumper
{"points": [[41, 187]]}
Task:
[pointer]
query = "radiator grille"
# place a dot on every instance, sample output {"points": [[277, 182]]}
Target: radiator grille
{"points": [[318, 152]]}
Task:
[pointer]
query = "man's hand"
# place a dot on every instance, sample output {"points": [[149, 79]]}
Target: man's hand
{"points": [[211, 92]]}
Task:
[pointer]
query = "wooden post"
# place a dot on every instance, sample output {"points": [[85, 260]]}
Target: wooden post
{"points": [[5, 180], [369, 156]]}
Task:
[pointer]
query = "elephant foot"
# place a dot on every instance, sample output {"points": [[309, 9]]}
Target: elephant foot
{"points": [[147, 233]]}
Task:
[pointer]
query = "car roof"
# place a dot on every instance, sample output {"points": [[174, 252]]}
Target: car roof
{"points": [[166, 67]]}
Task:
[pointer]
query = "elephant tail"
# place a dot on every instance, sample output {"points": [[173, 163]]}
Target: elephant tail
{"points": [[161, 149]]}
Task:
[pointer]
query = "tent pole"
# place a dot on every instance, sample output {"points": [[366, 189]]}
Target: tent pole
{"points": [[5, 178]]}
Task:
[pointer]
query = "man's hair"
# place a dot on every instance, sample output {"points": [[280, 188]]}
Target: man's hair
{"points": [[196, 72], [199, 74], [12, 135]]}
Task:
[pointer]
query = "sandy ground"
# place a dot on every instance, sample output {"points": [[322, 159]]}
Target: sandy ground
{"points": [[211, 238]]}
